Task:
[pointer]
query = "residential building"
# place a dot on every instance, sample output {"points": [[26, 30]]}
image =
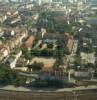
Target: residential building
{"points": [[87, 58], [1, 32], [69, 41], [23, 69], [3, 17], [29, 42], [13, 59]]}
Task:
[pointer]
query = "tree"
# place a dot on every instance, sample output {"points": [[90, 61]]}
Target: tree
{"points": [[52, 22], [59, 58], [27, 54], [20, 81], [77, 61], [87, 35], [36, 66], [89, 65]]}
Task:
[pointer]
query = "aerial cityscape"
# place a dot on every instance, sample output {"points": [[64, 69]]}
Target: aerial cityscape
{"points": [[48, 49]]}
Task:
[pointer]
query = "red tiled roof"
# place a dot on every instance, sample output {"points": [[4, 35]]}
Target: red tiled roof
{"points": [[70, 44], [29, 41]]}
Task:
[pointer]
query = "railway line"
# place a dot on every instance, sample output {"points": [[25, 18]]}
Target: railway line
{"points": [[74, 95]]}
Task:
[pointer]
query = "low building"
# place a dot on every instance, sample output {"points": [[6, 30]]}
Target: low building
{"points": [[81, 74]]}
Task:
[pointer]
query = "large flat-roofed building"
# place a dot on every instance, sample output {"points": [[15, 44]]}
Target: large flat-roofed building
{"points": [[57, 1], [44, 1], [50, 1]]}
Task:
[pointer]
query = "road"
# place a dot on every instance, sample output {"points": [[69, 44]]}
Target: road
{"points": [[26, 89]]}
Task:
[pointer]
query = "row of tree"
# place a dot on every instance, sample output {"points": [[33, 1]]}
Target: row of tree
{"points": [[8, 76]]}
